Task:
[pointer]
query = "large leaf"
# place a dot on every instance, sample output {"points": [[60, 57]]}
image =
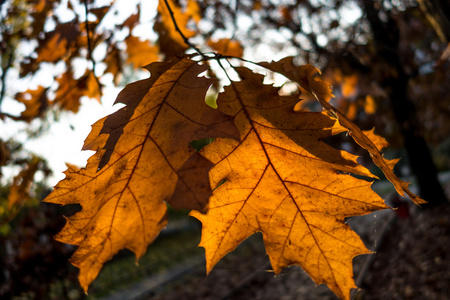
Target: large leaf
{"points": [[142, 157], [282, 180], [306, 77]]}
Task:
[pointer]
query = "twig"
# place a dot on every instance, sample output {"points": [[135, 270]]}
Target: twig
{"points": [[91, 58], [10, 50], [7, 115], [3, 77], [185, 39]]}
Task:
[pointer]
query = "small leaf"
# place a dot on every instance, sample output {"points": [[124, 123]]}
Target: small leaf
{"points": [[20, 189], [140, 53], [227, 47], [170, 41], [36, 102]]}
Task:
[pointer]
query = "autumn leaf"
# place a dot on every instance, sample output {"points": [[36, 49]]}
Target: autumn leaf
{"points": [[140, 53], [54, 49], [57, 42], [193, 10], [306, 77], [36, 102], [370, 106], [70, 90], [149, 159], [282, 180], [349, 86], [171, 43], [20, 189], [227, 47], [113, 63]]}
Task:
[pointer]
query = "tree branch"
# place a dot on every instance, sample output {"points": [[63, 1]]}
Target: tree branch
{"points": [[185, 39]]}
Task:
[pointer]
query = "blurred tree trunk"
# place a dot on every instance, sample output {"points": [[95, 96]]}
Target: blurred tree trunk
{"points": [[386, 37]]}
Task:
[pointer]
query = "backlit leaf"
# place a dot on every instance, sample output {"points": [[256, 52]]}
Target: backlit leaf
{"points": [[142, 157], [306, 76], [227, 47], [36, 102], [70, 90], [140, 53], [20, 189], [170, 41], [283, 181]]}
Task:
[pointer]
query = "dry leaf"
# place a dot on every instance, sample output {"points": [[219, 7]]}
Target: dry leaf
{"points": [[36, 102], [140, 53], [170, 41], [227, 47], [306, 77], [147, 145], [281, 180], [20, 189]]}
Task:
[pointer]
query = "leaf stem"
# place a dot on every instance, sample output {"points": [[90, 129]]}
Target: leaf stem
{"points": [[185, 39]]}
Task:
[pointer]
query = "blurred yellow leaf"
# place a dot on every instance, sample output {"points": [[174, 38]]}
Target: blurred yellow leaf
{"points": [[20, 189], [227, 47], [140, 53], [36, 102], [370, 107]]}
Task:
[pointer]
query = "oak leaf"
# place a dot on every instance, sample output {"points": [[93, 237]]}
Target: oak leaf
{"points": [[70, 90], [227, 47], [54, 49], [282, 180], [148, 159], [170, 41], [140, 53], [20, 189], [306, 76], [268, 167], [36, 102], [114, 64]]}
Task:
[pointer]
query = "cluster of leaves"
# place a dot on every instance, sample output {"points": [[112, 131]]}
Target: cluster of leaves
{"points": [[29, 24], [267, 171], [267, 168], [23, 191]]}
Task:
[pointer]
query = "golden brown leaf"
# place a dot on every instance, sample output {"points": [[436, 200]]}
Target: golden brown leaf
{"points": [[170, 41], [142, 156], [227, 47], [193, 11], [20, 189], [57, 43], [370, 106], [54, 49], [36, 102], [140, 53], [113, 63], [71, 90], [349, 86], [306, 77], [282, 180]]}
